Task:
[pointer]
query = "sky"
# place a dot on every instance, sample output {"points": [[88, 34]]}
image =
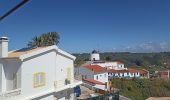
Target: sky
{"points": [[85, 25]]}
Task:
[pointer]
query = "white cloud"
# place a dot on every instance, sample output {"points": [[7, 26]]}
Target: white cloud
{"points": [[149, 47]]}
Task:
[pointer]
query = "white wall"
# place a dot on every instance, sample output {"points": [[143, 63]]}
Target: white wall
{"points": [[103, 87], [95, 56], [10, 68], [44, 63], [62, 64], [54, 65], [102, 77], [111, 65]]}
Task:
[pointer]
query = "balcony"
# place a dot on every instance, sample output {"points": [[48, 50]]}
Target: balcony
{"points": [[65, 84], [9, 94]]}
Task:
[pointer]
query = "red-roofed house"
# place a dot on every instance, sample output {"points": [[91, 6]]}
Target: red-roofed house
{"points": [[163, 74], [128, 73], [95, 74], [117, 65]]}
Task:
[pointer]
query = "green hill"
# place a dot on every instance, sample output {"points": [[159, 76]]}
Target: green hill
{"points": [[150, 61]]}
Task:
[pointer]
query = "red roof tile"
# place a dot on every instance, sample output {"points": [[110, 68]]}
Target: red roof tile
{"points": [[117, 71], [96, 68], [143, 71], [94, 81]]}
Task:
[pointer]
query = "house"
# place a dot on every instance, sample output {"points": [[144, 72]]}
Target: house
{"points": [[42, 73], [95, 75], [116, 65], [128, 73], [99, 72], [163, 74]]}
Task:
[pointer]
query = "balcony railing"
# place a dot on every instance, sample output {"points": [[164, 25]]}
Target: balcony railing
{"points": [[10, 94], [59, 83]]}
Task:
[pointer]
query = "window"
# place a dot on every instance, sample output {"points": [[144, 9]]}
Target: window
{"points": [[39, 79], [69, 73], [97, 77]]}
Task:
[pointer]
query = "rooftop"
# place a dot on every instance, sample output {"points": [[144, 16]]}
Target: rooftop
{"points": [[96, 68], [17, 53], [94, 81]]}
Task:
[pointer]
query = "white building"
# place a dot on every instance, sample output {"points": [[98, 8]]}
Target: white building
{"points": [[43, 73], [95, 75], [129, 73], [116, 65], [95, 56]]}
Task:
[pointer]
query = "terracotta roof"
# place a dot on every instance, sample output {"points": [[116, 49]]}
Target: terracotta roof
{"points": [[117, 71], [163, 72], [94, 81], [95, 68], [20, 52], [123, 71], [133, 70], [143, 71]]}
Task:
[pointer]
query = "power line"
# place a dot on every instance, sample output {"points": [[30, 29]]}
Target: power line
{"points": [[13, 9]]}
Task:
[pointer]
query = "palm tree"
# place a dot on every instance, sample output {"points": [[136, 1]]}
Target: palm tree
{"points": [[46, 39]]}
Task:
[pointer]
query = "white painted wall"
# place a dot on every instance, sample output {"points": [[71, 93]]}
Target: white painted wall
{"points": [[54, 65], [3, 48], [10, 68], [44, 63], [111, 65], [95, 56], [126, 74], [102, 77], [62, 64], [103, 87]]}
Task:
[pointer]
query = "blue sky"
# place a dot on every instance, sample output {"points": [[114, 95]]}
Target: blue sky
{"points": [[84, 25]]}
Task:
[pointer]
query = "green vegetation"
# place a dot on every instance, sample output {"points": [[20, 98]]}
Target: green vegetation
{"points": [[141, 89], [46, 39], [149, 61]]}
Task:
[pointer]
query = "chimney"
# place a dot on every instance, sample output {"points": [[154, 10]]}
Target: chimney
{"points": [[3, 47]]}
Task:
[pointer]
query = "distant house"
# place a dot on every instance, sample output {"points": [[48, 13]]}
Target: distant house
{"points": [[129, 73], [162, 74], [116, 65], [43, 73], [99, 72], [96, 75]]}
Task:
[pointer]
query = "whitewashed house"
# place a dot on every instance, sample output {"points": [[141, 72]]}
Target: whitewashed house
{"points": [[43, 73], [129, 73], [116, 65], [96, 75]]}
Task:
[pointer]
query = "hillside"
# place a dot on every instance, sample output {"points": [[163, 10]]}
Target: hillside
{"points": [[150, 61], [141, 89]]}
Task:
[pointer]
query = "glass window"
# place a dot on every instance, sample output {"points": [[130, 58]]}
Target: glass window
{"points": [[97, 77], [39, 79]]}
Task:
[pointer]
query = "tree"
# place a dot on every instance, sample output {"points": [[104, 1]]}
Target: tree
{"points": [[108, 58], [46, 39]]}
